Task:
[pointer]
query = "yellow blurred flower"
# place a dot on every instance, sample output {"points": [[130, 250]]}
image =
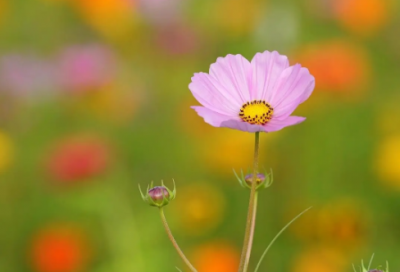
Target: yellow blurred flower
{"points": [[190, 122], [199, 208], [387, 161], [364, 17], [6, 151], [111, 103], [228, 149], [216, 256], [237, 17], [320, 260], [113, 18], [3, 8], [388, 116]]}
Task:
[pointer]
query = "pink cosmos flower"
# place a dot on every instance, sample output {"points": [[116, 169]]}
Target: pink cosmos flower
{"points": [[252, 96]]}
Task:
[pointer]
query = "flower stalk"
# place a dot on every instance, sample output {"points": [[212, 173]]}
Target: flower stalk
{"points": [[174, 243], [251, 214]]}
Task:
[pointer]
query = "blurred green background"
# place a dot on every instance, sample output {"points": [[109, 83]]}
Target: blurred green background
{"points": [[94, 100]]}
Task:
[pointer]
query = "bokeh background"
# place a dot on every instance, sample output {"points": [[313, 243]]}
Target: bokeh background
{"points": [[94, 100]]}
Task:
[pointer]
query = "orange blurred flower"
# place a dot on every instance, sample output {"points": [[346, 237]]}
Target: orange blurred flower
{"points": [[320, 260], [217, 256], [6, 151], [341, 223], [362, 16], [77, 158], [337, 66], [199, 208], [387, 161], [110, 17], [59, 249]]}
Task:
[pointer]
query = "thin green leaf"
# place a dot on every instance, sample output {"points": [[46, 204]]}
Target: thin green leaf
{"points": [[276, 237]]}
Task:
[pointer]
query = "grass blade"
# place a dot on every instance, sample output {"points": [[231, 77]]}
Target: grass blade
{"points": [[276, 237]]}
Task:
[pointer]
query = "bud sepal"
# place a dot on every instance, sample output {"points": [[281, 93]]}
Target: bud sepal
{"points": [[263, 180], [368, 269], [158, 196]]}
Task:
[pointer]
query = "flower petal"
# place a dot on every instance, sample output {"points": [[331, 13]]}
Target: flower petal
{"points": [[275, 125], [234, 73], [294, 86], [211, 94], [266, 70], [243, 126], [219, 120], [211, 117]]}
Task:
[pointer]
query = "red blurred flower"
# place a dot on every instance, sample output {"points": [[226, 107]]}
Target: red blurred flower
{"points": [[337, 66], [78, 158], [59, 249]]}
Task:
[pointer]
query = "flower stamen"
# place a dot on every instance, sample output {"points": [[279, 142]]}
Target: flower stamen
{"points": [[256, 112]]}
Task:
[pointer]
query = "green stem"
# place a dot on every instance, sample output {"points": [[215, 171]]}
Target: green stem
{"points": [[251, 214], [174, 243], [253, 225]]}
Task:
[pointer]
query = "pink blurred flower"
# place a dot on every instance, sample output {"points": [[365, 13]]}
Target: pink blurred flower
{"points": [[160, 11], [177, 39], [87, 67], [78, 158], [25, 75], [252, 96]]}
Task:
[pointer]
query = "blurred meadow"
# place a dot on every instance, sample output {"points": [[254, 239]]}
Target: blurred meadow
{"points": [[94, 100]]}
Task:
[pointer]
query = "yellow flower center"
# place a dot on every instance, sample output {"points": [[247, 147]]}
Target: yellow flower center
{"points": [[256, 112]]}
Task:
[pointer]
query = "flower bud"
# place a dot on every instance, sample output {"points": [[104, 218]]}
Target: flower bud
{"points": [[259, 179], [262, 180], [158, 196]]}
